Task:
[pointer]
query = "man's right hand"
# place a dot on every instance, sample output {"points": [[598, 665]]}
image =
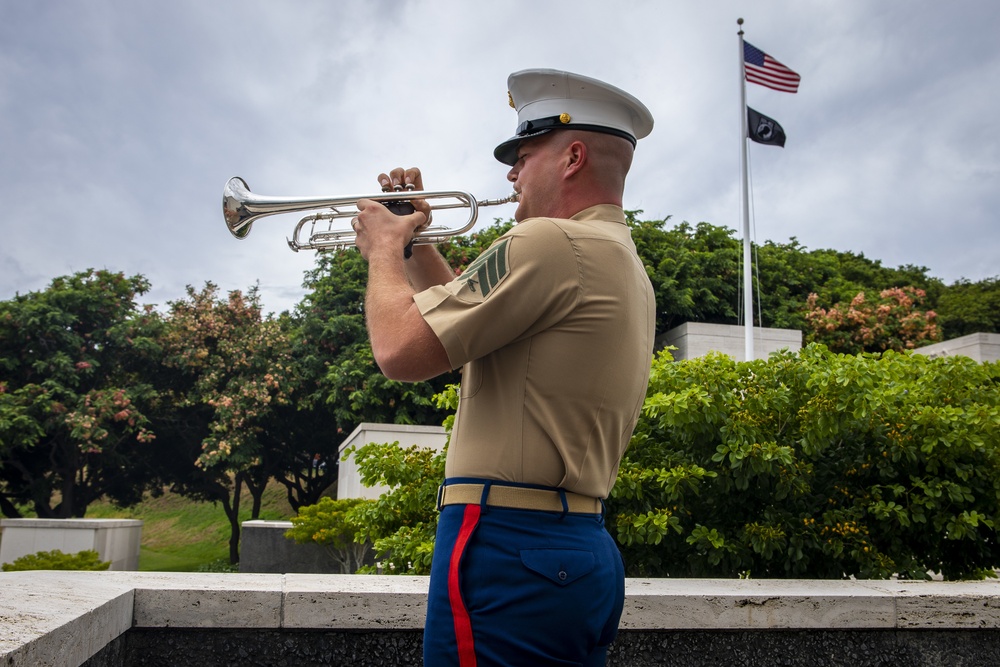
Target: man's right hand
{"points": [[400, 179]]}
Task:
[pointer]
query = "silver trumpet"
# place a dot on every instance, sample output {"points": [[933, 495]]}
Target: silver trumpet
{"points": [[242, 207]]}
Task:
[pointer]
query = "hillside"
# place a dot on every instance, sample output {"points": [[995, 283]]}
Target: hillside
{"points": [[181, 535]]}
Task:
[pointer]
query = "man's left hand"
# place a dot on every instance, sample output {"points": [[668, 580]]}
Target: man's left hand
{"points": [[378, 229]]}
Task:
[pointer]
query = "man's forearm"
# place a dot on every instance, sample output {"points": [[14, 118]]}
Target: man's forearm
{"points": [[428, 268], [404, 345]]}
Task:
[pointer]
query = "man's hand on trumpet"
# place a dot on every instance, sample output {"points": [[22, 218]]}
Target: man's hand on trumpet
{"points": [[406, 179], [378, 228]]}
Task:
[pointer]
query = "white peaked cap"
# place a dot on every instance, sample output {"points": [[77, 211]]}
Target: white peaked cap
{"points": [[548, 99]]}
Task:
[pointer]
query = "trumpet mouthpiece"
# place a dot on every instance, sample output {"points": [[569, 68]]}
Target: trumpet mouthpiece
{"points": [[509, 199]]}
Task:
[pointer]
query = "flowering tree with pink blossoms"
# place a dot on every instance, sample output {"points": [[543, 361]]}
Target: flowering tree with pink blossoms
{"points": [[893, 321], [235, 374]]}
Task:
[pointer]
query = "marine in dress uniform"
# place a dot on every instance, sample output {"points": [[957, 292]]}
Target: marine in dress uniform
{"points": [[553, 327]]}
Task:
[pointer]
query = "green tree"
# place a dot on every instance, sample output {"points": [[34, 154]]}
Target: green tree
{"points": [[786, 274], [694, 271], [75, 393], [401, 524], [970, 307], [333, 350], [697, 275]]}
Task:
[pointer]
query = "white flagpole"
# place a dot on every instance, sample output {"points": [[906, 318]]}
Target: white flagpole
{"points": [[747, 276]]}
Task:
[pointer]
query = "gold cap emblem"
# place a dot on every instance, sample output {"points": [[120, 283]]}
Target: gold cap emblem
{"points": [[510, 100], [564, 118]]}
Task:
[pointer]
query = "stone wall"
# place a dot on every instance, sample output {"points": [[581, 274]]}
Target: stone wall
{"points": [[169, 647], [127, 619], [696, 339], [978, 347]]}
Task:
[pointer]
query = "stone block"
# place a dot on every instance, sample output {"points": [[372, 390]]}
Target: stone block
{"points": [[208, 600], [115, 540], [944, 604], [349, 479], [265, 549], [60, 618], [104, 619], [734, 604], [355, 602]]}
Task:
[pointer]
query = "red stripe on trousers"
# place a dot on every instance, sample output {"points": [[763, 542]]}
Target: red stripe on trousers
{"points": [[463, 625]]}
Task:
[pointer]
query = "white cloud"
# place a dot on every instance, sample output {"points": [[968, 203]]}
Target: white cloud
{"points": [[121, 122]]}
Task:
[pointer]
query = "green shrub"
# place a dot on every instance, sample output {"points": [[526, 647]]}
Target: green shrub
{"points": [[326, 524], [813, 465], [57, 560], [219, 565], [400, 525], [806, 465]]}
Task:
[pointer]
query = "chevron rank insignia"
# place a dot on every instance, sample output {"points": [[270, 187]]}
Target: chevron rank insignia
{"points": [[488, 270]]}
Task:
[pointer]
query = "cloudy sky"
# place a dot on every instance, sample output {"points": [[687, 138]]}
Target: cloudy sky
{"points": [[121, 121]]}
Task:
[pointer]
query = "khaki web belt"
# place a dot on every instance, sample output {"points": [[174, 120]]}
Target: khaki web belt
{"points": [[518, 497]]}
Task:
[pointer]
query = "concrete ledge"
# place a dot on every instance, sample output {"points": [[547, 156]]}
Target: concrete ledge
{"points": [[770, 604], [60, 620], [64, 618], [208, 600]]}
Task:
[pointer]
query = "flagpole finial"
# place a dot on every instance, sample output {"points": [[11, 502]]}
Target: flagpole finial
{"points": [[739, 22]]}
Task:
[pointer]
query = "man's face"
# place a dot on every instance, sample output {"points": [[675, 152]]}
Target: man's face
{"points": [[535, 176]]}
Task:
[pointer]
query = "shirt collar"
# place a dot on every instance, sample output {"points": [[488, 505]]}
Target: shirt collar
{"points": [[604, 212]]}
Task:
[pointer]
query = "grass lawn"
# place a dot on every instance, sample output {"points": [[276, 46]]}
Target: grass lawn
{"points": [[181, 535]]}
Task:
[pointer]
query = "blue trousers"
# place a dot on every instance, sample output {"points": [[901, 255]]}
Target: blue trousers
{"points": [[522, 587]]}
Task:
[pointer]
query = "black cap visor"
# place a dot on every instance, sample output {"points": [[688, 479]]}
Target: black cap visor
{"points": [[507, 151]]}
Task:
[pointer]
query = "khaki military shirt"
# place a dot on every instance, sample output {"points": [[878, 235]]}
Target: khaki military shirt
{"points": [[554, 326]]}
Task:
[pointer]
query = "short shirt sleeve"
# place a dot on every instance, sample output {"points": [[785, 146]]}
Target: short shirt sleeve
{"points": [[525, 282]]}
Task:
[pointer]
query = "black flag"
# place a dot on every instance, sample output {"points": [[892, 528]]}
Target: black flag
{"points": [[764, 130]]}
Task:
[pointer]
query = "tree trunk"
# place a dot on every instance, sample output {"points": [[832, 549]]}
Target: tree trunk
{"points": [[8, 509], [307, 489], [256, 493], [233, 512]]}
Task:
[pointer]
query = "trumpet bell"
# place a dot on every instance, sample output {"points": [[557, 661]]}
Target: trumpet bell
{"points": [[238, 219]]}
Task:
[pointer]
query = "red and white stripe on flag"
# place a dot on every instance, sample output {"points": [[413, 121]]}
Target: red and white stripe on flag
{"points": [[762, 69]]}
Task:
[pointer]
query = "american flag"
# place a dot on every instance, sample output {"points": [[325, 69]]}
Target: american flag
{"points": [[765, 70]]}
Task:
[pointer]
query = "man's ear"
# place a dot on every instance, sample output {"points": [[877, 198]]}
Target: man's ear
{"points": [[576, 157]]}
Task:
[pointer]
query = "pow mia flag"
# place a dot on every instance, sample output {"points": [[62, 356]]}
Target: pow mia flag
{"points": [[764, 130]]}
